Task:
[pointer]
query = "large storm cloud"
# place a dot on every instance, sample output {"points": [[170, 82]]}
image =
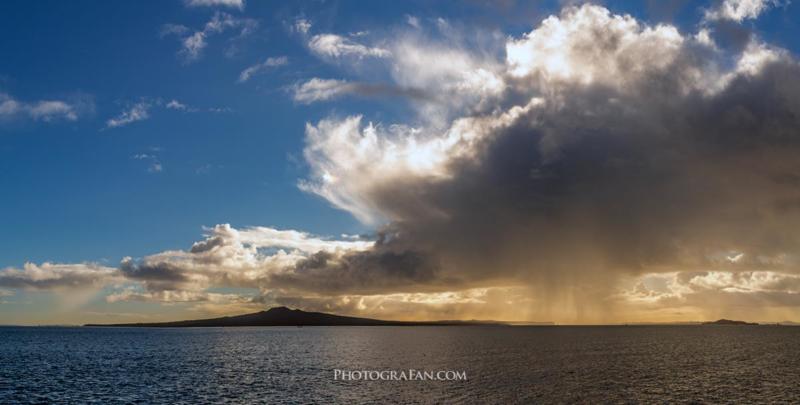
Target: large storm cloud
{"points": [[613, 149]]}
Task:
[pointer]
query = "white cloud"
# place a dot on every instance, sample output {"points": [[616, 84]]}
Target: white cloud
{"points": [[238, 4], [179, 106], [140, 111], [350, 163], [193, 45], [412, 21], [47, 276], [173, 29], [154, 165], [677, 289], [176, 105], [335, 46], [317, 89], [756, 56], [43, 110], [302, 26], [137, 112], [175, 296], [271, 62], [452, 78], [220, 110], [739, 10], [553, 52], [247, 257]]}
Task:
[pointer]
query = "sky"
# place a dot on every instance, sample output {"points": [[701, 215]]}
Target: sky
{"points": [[566, 161]]}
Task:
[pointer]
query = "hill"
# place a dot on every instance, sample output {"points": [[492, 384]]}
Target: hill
{"points": [[728, 322], [282, 316]]}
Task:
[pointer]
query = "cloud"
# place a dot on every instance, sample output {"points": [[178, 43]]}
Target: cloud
{"points": [[183, 107], [137, 112], [269, 63], [219, 110], [738, 10], [606, 148], [52, 276], [154, 166], [238, 4], [412, 21], [44, 110], [316, 90], [176, 105], [141, 110], [749, 294], [173, 29], [227, 256], [594, 169], [168, 296], [335, 46], [302, 26], [194, 43]]}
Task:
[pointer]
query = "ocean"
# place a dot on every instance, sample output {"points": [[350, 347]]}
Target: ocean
{"points": [[593, 364]]}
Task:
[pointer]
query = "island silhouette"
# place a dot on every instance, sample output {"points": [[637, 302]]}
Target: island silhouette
{"points": [[283, 316], [729, 322]]}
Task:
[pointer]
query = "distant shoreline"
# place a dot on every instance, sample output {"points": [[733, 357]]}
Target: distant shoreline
{"points": [[503, 324], [282, 316]]}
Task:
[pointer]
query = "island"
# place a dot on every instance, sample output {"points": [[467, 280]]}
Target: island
{"points": [[283, 316], [729, 322]]}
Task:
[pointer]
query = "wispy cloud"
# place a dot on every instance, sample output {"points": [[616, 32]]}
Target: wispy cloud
{"points": [[269, 63], [739, 10], [316, 89], [43, 110], [154, 164], [412, 21], [179, 106], [137, 112], [193, 43], [336, 46], [176, 105], [301, 26], [238, 4], [141, 110], [173, 29]]}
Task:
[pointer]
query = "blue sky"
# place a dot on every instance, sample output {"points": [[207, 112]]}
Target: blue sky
{"points": [[215, 149]]}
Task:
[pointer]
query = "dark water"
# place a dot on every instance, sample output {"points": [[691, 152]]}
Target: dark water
{"points": [[503, 364]]}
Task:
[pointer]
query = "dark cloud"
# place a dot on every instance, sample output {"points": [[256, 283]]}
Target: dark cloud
{"points": [[634, 182], [156, 275], [377, 271], [731, 35]]}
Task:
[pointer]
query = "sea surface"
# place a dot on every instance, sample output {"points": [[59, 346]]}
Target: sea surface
{"points": [[645, 364]]}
